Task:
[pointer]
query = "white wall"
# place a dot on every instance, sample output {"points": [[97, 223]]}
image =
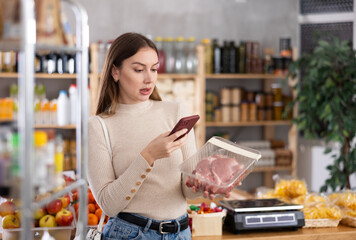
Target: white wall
{"points": [[261, 20]]}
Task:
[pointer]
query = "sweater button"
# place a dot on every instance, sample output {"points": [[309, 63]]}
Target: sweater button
{"points": [[148, 170], [133, 190], [138, 183], [128, 198], [143, 176]]}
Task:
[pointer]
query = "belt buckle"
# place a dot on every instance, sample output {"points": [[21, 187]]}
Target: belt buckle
{"points": [[161, 227]]}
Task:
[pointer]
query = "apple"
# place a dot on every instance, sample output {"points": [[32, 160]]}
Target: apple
{"points": [[7, 208], [18, 214], [10, 221], [54, 206], [39, 213], [48, 221], [64, 217], [65, 201]]}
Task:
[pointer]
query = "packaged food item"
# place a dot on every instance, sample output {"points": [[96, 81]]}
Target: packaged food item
{"points": [[344, 199], [321, 214], [347, 202], [289, 187], [219, 165], [348, 217]]}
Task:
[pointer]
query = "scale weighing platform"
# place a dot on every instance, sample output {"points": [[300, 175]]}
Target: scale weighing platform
{"points": [[261, 214]]}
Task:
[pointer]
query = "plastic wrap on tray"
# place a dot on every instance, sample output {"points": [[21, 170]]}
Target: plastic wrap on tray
{"points": [[218, 165], [347, 202], [321, 214], [348, 217], [344, 199]]}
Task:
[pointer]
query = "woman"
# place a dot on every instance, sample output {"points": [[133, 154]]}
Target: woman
{"points": [[140, 188]]}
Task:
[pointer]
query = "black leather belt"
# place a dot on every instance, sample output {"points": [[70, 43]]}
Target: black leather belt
{"points": [[162, 227]]}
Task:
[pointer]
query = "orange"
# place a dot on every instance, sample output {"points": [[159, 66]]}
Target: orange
{"points": [[76, 206], [92, 219], [91, 198], [75, 196], [96, 205], [91, 207], [98, 212]]}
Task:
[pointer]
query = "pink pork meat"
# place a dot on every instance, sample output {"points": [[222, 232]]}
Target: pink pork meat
{"points": [[217, 170]]}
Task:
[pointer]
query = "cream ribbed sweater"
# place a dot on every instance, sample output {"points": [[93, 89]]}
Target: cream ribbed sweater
{"points": [[127, 183]]}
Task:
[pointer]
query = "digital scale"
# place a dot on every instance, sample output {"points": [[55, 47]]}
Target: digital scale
{"points": [[261, 214]]}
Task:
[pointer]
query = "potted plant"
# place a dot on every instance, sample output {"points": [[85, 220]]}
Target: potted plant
{"points": [[326, 101]]}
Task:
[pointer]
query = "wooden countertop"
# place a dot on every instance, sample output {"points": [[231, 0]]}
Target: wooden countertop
{"points": [[333, 233]]}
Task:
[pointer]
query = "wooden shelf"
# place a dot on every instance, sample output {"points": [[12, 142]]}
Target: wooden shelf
{"points": [[176, 76], [41, 75], [272, 169], [41, 126], [6, 121], [257, 123], [8, 75], [244, 76], [55, 76]]}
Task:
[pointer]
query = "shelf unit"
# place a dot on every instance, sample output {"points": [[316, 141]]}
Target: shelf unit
{"points": [[268, 126], [26, 46]]}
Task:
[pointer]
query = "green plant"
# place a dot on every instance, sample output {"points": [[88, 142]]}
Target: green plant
{"points": [[326, 101]]}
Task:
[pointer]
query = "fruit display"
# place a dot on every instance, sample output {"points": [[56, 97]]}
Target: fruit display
{"points": [[205, 219], [94, 211], [52, 215]]}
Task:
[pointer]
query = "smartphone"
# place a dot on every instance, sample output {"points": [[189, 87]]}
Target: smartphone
{"points": [[186, 122]]}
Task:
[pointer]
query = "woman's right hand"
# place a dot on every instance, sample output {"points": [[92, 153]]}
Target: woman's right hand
{"points": [[163, 146]]}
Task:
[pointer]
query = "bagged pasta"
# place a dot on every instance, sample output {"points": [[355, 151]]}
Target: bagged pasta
{"points": [[288, 187]]}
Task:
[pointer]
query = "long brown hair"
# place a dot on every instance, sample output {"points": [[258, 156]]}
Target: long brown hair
{"points": [[123, 47]]}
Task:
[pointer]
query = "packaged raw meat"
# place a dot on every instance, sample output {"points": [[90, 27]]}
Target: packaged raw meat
{"points": [[219, 165]]}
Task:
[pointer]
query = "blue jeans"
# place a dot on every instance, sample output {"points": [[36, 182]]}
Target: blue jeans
{"points": [[118, 229]]}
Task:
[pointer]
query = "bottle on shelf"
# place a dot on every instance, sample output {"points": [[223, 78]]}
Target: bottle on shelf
{"points": [[15, 167], [161, 55], [38, 167], [44, 112], [59, 159], [71, 64], [73, 103], [179, 56], [232, 57], [208, 49], [192, 58], [62, 108], [61, 64], [37, 63], [226, 57], [5, 162], [53, 112], [14, 92], [216, 56], [169, 53], [51, 63], [50, 160]]}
